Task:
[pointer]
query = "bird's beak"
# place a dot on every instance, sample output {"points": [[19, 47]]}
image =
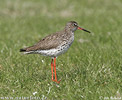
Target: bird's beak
{"points": [[79, 28]]}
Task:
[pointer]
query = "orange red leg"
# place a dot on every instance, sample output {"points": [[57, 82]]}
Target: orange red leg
{"points": [[54, 65]]}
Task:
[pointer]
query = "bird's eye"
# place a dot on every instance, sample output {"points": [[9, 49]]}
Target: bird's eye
{"points": [[75, 24]]}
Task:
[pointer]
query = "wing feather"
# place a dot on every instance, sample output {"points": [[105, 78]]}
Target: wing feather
{"points": [[49, 42]]}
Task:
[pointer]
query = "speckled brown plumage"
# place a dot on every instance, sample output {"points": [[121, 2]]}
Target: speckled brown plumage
{"points": [[49, 42]]}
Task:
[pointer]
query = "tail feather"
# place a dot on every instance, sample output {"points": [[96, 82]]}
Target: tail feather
{"points": [[22, 50]]}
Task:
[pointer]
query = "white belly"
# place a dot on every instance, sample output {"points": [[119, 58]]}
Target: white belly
{"points": [[53, 52]]}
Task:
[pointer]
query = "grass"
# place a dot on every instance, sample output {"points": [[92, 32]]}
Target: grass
{"points": [[90, 70]]}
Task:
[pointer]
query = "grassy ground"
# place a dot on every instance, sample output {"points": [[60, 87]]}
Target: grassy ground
{"points": [[90, 70]]}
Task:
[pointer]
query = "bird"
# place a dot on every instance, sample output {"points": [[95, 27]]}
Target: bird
{"points": [[55, 44]]}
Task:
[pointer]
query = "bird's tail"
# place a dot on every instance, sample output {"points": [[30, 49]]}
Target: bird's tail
{"points": [[22, 50]]}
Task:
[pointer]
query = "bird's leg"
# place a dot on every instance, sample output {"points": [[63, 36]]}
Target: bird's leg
{"points": [[55, 70], [52, 68]]}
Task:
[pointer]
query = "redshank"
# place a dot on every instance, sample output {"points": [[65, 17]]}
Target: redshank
{"points": [[55, 44]]}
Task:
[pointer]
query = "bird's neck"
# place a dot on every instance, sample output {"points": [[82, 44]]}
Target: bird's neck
{"points": [[69, 33], [68, 30]]}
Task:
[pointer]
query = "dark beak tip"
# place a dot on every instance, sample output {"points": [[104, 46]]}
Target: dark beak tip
{"points": [[86, 31], [89, 32]]}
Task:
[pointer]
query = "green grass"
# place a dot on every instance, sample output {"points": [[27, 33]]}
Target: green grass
{"points": [[90, 70]]}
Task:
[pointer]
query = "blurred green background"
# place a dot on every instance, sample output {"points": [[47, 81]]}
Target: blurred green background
{"points": [[90, 70]]}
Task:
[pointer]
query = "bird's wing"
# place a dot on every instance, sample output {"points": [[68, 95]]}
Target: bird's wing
{"points": [[49, 42]]}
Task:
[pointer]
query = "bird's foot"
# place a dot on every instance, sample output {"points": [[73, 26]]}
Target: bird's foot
{"points": [[56, 81]]}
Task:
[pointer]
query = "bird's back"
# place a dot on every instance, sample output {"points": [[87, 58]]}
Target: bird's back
{"points": [[49, 42]]}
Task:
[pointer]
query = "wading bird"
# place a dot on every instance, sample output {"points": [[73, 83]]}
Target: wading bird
{"points": [[55, 44]]}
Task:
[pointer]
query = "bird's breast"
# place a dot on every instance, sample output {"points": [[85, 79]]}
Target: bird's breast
{"points": [[71, 38], [66, 43]]}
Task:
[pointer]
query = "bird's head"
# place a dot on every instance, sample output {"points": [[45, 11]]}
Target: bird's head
{"points": [[73, 26]]}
